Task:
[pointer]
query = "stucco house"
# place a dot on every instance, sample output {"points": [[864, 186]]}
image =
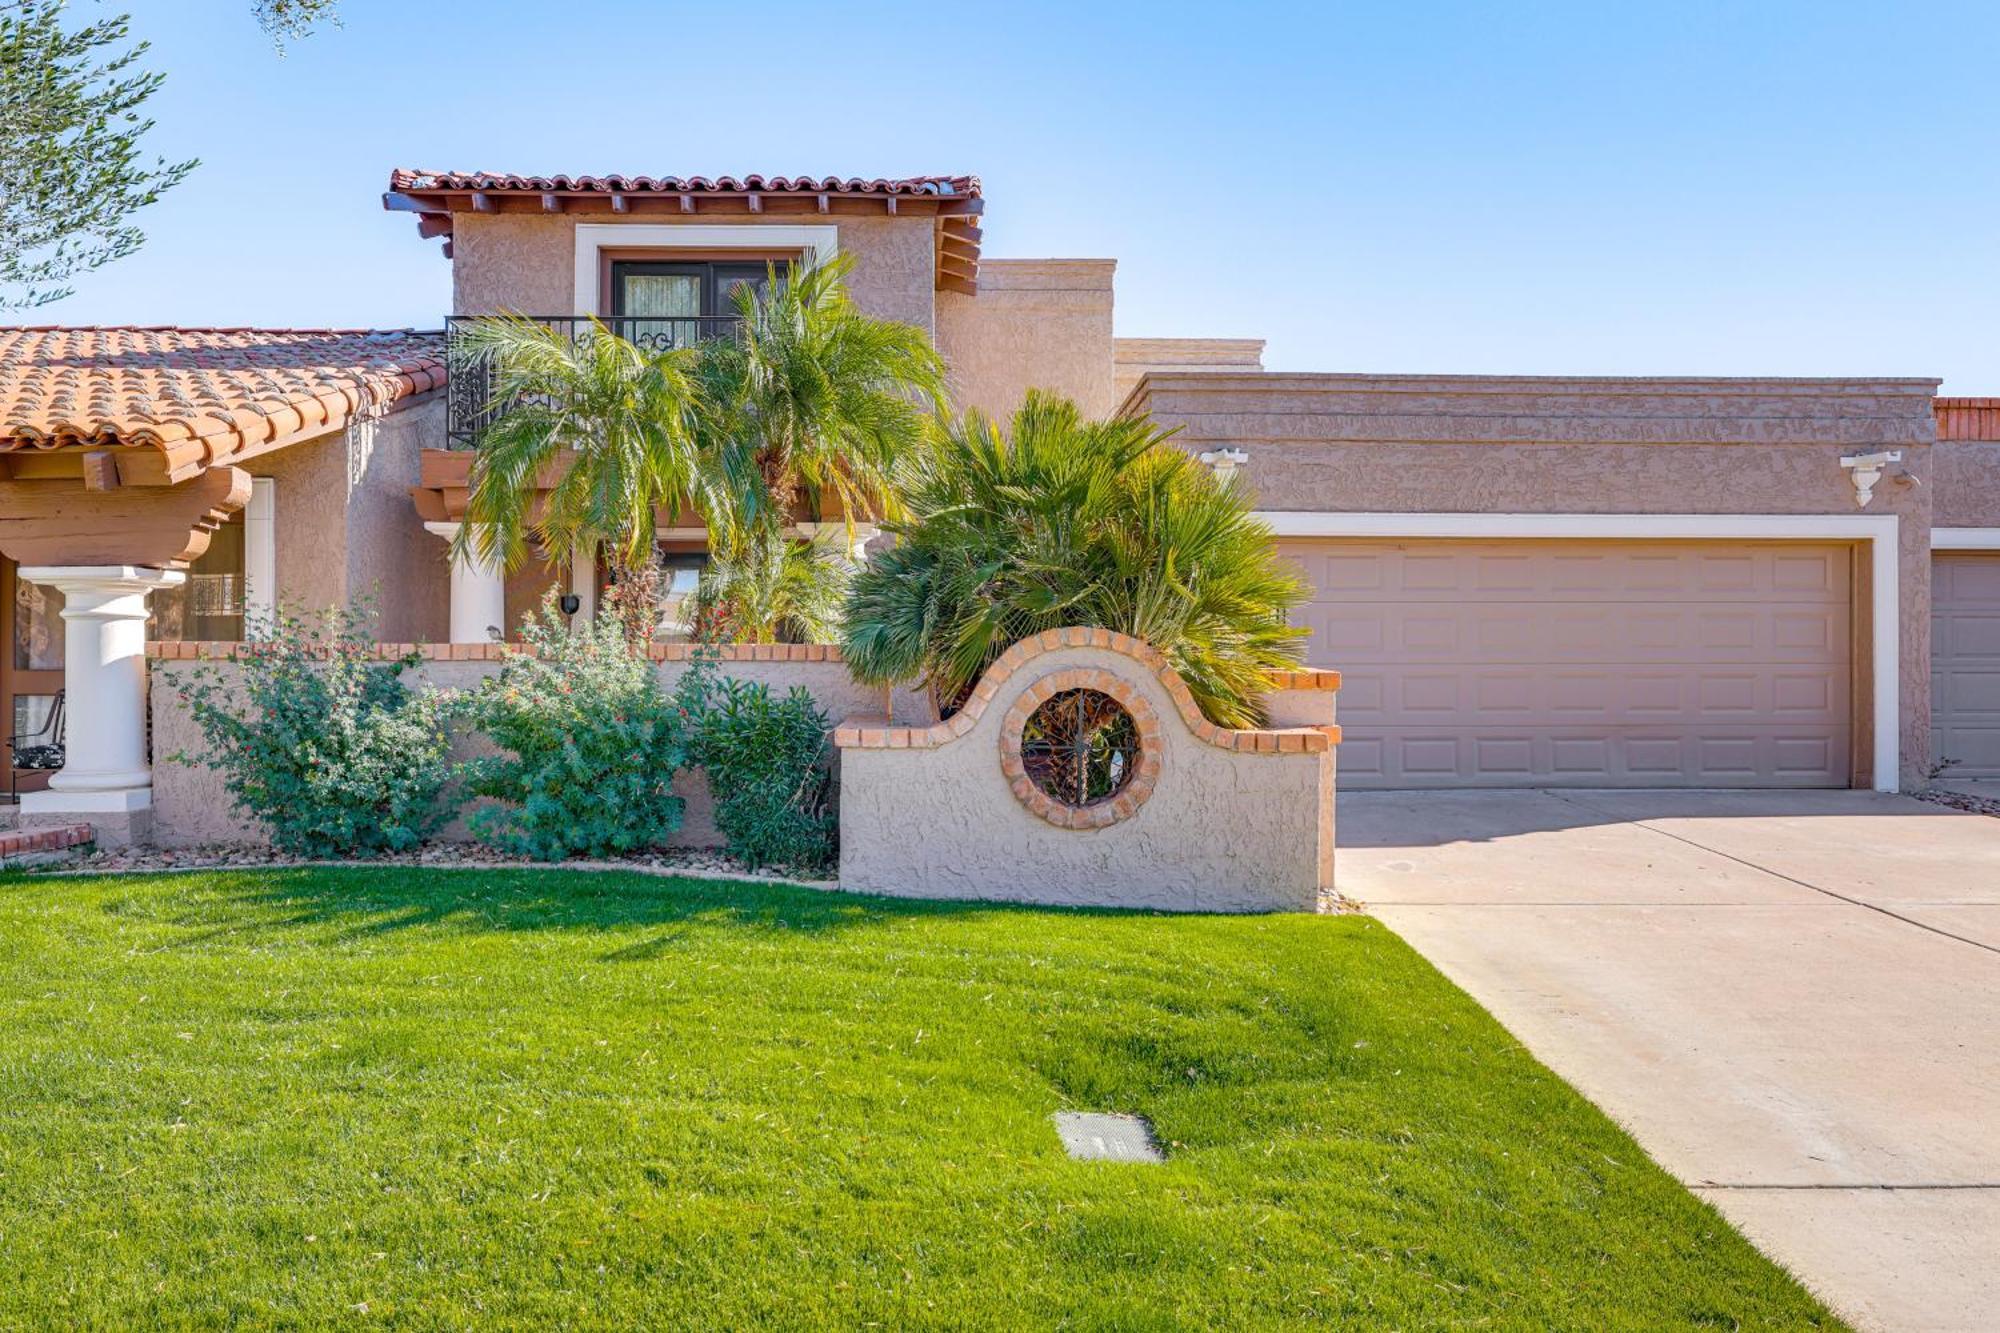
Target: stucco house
{"points": [[1526, 581]]}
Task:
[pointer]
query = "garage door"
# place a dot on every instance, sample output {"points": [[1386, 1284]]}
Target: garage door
{"points": [[1580, 663], [1965, 663]]}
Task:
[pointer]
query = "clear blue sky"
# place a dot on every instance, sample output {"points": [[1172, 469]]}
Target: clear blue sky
{"points": [[1765, 187]]}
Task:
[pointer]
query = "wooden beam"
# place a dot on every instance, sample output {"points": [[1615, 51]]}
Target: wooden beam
{"points": [[403, 203], [434, 224], [620, 204], [964, 286], [551, 202], [960, 229], [485, 203], [687, 203], [966, 206], [959, 268], [959, 248], [756, 202], [100, 470], [890, 200], [825, 206], [62, 523]]}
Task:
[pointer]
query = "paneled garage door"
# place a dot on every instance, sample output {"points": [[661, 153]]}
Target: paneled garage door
{"points": [[1965, 662], [1584, 663]]}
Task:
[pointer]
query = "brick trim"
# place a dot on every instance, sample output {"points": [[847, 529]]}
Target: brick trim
{"points": [[223, 651], [1098, 814], [57, 838], [877, 734]]}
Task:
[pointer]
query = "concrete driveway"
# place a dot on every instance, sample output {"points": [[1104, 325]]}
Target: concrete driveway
{"points": [[1792, 1000]]}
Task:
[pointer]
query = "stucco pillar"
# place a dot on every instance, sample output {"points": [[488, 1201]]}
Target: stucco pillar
{"points": [[583, 579], [105, 769], [478, 593]]}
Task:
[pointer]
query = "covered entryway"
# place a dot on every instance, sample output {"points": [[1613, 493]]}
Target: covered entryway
{"points": [[1965, 663], [1586, 663]]}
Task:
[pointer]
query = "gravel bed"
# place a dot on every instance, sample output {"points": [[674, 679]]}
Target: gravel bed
{"points": [[1961, 800], [706, 862]]}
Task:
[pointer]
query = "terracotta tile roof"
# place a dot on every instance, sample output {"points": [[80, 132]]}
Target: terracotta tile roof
{"points": [[1968, 418], [201, 396], [496, 182]]}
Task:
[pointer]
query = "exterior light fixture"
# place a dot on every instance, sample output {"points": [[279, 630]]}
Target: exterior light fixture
{"points": [[570, 604], [1864, 470], [1223, 463]]}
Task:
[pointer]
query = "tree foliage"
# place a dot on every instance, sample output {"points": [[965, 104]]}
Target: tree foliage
{"points": [[71, 171], [1061, 522]]}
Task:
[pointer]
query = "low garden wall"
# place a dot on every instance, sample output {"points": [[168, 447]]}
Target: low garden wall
{"points": [[999, 802], [191, 807]]}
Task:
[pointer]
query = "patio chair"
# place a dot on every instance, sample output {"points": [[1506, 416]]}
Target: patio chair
{"points": [[37, 751]]}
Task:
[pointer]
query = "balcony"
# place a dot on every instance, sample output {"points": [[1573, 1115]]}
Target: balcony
{"points": [[469, 405]]}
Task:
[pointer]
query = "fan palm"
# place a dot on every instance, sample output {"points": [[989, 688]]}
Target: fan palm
{"points": [[1063, 521], [621, 428], [823, 398]]}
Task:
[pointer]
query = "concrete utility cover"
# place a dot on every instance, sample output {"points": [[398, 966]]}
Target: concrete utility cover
{"points": [[1093, 1137]]}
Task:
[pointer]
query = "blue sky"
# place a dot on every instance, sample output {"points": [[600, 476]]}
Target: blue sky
{"points": [[1750, 188]]}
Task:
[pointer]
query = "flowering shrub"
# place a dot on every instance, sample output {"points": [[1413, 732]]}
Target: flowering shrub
{"points": [[769, 769], [589, 745], [333, 752]]}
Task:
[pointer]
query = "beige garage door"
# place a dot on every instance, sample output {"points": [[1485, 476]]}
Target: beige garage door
{"points": [[1581, 663], [1965, 663]]}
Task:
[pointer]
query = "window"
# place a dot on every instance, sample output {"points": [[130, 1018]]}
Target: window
{"points": [[209, 606], [678, 304]]}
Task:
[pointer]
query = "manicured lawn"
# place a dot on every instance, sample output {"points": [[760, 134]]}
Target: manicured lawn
{"points": [[444, 1098]]}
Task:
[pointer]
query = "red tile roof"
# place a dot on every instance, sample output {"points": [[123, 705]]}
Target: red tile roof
{"points": [[495, 182], [201, 396], [1968, 418]]}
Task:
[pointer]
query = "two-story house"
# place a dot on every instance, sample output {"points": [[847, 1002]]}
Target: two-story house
{"points": [[1527, 581]]}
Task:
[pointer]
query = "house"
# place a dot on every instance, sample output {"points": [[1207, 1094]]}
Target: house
{"points": [[1526, 581]]}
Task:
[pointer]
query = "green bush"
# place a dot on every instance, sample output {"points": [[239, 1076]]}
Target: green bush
{"points": [[333, 753], [589, 744], [769, 769]]}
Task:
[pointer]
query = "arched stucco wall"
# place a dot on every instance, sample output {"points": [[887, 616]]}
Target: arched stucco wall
{"points": [[1236, 821]]}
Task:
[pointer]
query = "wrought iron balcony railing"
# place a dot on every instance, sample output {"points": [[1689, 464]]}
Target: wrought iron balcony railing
{"points": [[469, 389]]}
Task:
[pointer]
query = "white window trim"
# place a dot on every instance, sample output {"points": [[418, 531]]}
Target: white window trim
{"points": [[1965, 539], [1878, 531], [818, 243], [260, 555]]}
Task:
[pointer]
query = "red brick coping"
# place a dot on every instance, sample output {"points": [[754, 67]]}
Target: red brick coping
{"points": [[1097, 814], [878, 734], [497, 652], [57, 838]]}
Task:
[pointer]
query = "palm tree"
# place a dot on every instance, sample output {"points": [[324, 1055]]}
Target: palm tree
{"points": [[1063, 522], [823, 397], [621, 431], [760, 587]]}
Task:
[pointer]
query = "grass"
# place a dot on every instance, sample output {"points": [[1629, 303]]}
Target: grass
{"points": [[317, 1097]]}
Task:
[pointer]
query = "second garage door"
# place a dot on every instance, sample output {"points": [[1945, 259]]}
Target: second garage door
{"points": [[1584, 663], [1965, 663]]}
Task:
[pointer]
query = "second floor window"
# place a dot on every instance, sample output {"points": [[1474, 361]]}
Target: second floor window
{"points": [[650, 290]]}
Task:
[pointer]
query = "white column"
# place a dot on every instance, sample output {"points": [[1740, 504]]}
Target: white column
{"points": [[583, 579], [260, 557], [105, 767], [478, 593]]}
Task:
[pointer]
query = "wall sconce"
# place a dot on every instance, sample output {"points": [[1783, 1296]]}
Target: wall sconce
{"points": [[1223, 463], [1864, 470], [570, 603]]}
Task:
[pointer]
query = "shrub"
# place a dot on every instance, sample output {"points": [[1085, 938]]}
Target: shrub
{"points": [[769, 768], [589, 744], [1066, 522], [334, 754]]}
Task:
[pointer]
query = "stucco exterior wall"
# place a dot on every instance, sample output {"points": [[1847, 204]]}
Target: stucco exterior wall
{"points": [[191, 807], [526, 262], [309, 486], [1471, 444], [1968, 483], [1036, 323], [1136, 358], [390, 558], [1223, 830]]}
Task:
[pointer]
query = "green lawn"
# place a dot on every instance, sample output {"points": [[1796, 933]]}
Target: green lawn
{"points": [[307, 1098]]}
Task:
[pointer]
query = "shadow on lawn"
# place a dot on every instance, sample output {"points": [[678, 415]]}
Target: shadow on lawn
{"points": [[359, 902]]}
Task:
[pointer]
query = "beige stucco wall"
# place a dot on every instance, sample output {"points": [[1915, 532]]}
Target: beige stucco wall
{"points": [[1224, 831], [1137, 357], [191, 808], [1968, 483], [1448, 444], [1036, 323], [345, 527], [526, 262]]}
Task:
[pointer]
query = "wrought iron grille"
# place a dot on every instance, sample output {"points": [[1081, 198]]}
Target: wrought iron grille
{"points": [[1080, 747], [469, 393]]}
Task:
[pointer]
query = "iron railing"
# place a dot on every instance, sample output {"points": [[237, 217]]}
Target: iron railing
{"points": [[469, 388]]}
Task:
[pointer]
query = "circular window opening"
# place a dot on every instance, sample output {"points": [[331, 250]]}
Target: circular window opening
{"points": [[1080, 747]]}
